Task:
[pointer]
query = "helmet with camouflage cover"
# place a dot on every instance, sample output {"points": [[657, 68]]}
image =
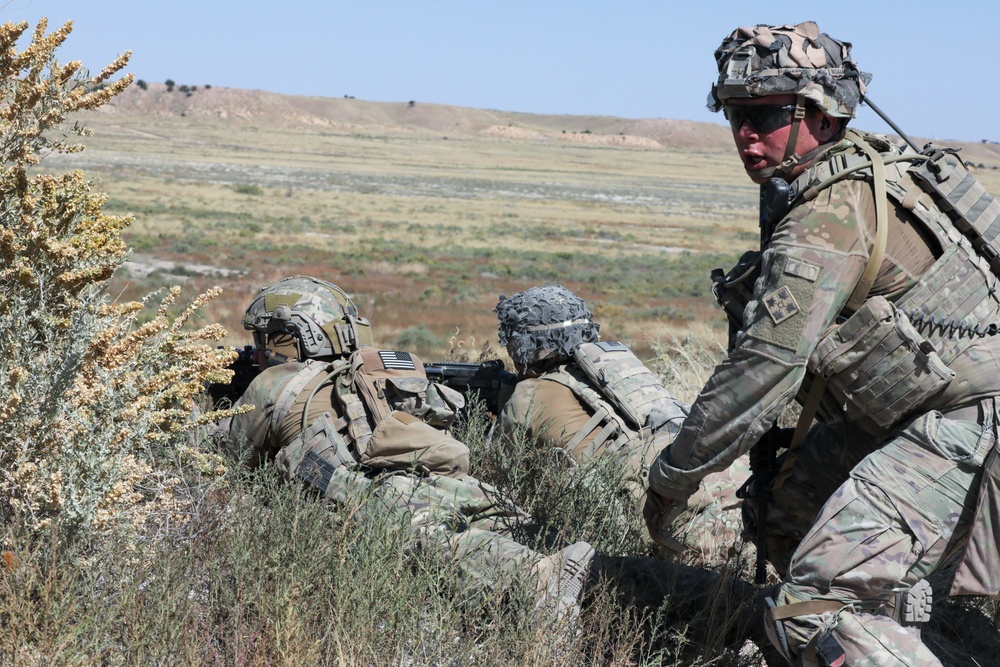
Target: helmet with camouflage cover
{"points": [[544, 324], [789, 59], [305, 318]]}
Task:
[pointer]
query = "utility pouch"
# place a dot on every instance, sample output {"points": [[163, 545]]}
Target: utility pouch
{"points": [[877, 365], [316, 450], [402, 441]]}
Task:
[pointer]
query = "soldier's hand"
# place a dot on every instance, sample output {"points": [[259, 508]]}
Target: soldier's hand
{"points": [[659, 513]]}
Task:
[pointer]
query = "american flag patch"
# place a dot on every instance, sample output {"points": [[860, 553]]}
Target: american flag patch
{"points": [[612, 346], [401, 361]]}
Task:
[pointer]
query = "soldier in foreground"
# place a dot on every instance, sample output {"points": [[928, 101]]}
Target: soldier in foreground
{"points": [[869, 305], [344, 417], [591, 399]]}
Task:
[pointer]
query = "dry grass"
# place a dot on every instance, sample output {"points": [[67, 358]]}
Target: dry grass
{"points": [[424, 229]]}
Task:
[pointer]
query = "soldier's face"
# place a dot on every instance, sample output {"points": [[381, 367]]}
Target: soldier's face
{"points": [[764, 146]]}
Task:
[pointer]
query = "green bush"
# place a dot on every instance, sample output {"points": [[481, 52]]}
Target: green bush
{"points": [[248, 189], [419, 339]]}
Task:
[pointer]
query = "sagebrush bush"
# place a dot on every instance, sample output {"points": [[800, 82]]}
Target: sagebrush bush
{"points": [[92, 399]]}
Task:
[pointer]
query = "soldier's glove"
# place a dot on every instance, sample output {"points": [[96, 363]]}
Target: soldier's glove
{"points": [[659, 513]]}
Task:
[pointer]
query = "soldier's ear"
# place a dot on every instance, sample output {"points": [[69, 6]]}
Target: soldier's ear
{"points": [[828, 128]]}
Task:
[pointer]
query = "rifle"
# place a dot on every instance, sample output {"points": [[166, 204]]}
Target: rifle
{"points": [[488, 380], [774, 204], [763, 465], [244, 371]]}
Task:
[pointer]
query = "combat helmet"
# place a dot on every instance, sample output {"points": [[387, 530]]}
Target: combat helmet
{"points": [[544, 324], [789, 60], [305, 318]]}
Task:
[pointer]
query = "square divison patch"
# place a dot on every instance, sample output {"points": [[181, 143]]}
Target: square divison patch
{"points": [[782, 311], [780, 304]]}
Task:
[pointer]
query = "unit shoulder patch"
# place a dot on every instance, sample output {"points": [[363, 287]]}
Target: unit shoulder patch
{"points": [[782, 311], [780, 304]]}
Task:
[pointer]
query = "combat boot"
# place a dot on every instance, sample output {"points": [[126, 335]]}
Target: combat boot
{"points": [[560, 582], [911, 608]]}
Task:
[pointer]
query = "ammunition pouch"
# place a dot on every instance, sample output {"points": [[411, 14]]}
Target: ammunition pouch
{"points": [[878, 366]]}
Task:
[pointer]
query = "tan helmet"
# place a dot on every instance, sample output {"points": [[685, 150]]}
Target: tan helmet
{"points": [[300, 317], [789, 59]]}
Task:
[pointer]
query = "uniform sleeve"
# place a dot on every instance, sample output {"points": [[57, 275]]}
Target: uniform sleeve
{"points": [[252, 436], [815, 258], [515, 416], [548, 412]]}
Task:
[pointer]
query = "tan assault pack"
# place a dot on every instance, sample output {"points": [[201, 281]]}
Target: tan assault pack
{"points": [[392, 418], [397, 418]]}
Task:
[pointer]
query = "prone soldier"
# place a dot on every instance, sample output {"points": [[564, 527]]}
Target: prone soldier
{"points": [[590, 399]]}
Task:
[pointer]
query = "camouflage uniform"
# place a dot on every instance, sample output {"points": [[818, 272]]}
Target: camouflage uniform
{"points": [[558, 404], [868, 505], [456, 514]]}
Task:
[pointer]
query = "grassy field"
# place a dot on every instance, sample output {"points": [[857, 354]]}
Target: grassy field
{"points": [[424, 230]]}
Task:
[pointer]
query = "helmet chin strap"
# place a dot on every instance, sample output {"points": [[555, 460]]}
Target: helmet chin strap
{"points": [[791, 159]]}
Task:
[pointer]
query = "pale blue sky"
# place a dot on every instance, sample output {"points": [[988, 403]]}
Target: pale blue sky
{"points": [[935, 63]]}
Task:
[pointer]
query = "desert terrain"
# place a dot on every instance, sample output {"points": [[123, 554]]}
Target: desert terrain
{"points": [[425, 213]]}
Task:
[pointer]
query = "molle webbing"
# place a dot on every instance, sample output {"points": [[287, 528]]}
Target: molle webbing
{"points": [[622, 379], [358, 426], [971, 208], [618, 388], [956, 290]]}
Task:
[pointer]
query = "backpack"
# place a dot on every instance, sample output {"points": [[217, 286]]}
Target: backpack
{"points": [[391, 418]]}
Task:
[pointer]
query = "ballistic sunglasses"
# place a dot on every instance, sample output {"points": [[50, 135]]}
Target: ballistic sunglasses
{"points": [[763, 118]]}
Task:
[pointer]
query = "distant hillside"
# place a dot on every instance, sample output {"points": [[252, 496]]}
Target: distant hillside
{"points": [[261, 108], [258, 107]]}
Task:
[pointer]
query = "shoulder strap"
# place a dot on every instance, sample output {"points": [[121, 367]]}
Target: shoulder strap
{"points": [[614, 428], [290, 391], [861, 290], [881, 224]]}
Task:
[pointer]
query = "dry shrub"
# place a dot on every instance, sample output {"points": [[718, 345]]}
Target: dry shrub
{"points": [[95, 391]]}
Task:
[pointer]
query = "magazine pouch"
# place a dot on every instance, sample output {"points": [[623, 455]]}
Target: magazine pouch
{"points": [[877, 365]]}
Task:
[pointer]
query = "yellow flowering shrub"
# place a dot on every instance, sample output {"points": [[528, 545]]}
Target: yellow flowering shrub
{"points": [[91, 402]]}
